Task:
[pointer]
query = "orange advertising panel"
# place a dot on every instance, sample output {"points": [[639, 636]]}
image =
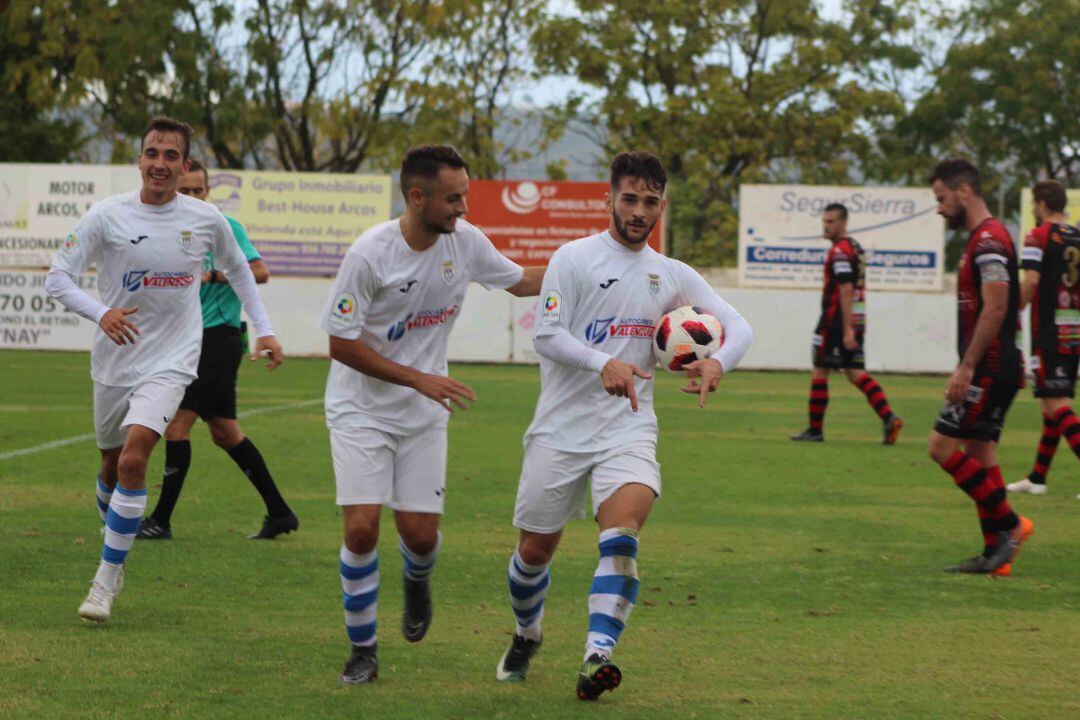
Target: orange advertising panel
{"points": [[528, 220]]}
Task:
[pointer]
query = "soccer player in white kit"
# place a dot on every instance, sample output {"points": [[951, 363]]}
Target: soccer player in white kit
{"points": [[389, 315], [148, 246], [601, 298]]}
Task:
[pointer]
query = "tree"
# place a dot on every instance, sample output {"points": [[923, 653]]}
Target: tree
{"points": [[729, 91]]}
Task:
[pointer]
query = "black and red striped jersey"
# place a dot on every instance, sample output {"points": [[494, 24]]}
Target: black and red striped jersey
{"points": [[1053, 251], [844, 263], [990, 257]]}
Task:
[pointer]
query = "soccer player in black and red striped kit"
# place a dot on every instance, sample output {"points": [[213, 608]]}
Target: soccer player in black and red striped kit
{"points": [[1051, 263], [838, 338], [981, 389]]}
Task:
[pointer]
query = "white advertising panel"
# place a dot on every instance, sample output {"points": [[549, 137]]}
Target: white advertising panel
{"points": [[32, 320], [780, 242]]}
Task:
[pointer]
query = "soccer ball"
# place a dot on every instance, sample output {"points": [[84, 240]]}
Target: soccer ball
{"points": [[684, 335]]}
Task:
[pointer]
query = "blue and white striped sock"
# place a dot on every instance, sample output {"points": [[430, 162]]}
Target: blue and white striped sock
{"points": [[126, 508], [614, 590], [360, 592], [528, 588], [419, 567], [104, 495]]}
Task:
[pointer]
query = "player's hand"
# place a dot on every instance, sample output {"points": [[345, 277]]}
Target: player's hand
{"points": [[849, 341], [205, 277], [268, 346], [704, 376], [445, 391], [956, 392], [116, 325], [618, 378]]}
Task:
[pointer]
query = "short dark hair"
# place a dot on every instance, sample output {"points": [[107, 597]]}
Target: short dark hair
{"points": [[638, 164], [423, 163], [163, 123], [955, 172], [1050, 192], [196, 166], [837, 207]]}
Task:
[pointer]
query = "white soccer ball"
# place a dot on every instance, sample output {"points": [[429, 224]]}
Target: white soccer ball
{"points": [[684, 335]]}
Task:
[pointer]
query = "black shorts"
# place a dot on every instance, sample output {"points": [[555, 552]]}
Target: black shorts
{"points": [[213, 394], [982, 415], [1055, 374], [828, 351]]}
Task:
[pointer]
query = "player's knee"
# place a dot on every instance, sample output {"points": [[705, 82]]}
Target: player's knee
{"points": [[131, 465], [226, 438], [939, 448], [537, 549], [419, 538]]}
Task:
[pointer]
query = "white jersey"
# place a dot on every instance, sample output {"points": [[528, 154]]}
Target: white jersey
{"points": [[605, 299], [402, 304], [150, 256]]}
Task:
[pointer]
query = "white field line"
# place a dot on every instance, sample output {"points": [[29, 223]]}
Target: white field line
{"points": [[52, 444]]}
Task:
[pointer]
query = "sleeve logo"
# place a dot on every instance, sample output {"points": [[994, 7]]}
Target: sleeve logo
{"points": [[552, 306], [71, 242], [344, 311]]}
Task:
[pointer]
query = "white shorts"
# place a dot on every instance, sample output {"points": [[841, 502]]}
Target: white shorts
{"points": [[405, 472], [551, 491], [151, 404]]}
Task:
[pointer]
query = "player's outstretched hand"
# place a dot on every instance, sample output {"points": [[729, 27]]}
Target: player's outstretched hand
{"points": [[116, 325], [268, 346], [957, 390], [704, 376], [445, 391], [618, 380]]}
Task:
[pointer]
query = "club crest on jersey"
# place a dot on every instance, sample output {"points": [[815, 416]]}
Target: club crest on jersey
{"points": [[552, 306], [185, 238], [448, 271], [344, 311], [654, 283]]}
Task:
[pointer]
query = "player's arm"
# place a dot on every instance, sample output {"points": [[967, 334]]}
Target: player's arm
{"points": [[258, 270], [243, 284], [995, 301], [356, 354], [1028, 286], [847, 314], [80, 249], [532, 278]]}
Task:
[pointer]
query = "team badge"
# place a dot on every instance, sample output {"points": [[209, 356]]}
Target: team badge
{"points": [[185, 238], [552, 306], [654, 284], [448, 271], [344, 311]]}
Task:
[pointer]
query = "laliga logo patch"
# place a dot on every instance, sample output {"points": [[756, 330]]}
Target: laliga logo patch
{"points": [[71, 242], [344, 310], [133, 279], [552, 306], [448, 271], [523, 199]]}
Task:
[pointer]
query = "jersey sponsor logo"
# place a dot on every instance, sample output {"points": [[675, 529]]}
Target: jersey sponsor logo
{"points": [[408, 286], [136, 279], [344, 311], [552, 306], [654, 283], [601, 329], [419, 321], [448, 271], [609, 283], [136, 241]]}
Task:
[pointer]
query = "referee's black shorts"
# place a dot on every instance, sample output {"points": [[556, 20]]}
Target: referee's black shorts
{"points": [[213, 394]]}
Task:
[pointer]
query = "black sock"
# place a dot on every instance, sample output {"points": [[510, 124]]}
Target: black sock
{"points": [[250, 460], [177, 462]]}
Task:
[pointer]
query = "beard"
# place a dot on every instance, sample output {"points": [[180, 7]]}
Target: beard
{"points": [[957, 221], [622, 229], [440, 227]]}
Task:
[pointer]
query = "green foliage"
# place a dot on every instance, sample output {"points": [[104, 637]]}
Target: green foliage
{"points": [[726, 92]]}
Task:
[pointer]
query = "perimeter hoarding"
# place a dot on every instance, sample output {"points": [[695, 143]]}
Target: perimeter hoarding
{"points": [[529, 220], [302, 223], [1027, 217], [780, 243]]}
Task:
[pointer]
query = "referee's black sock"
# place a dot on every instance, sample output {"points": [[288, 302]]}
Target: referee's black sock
{"points": [[250, 460], [177, 462]]}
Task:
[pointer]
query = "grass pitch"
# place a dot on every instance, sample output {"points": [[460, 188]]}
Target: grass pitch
{"points": [[779, 580]]}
